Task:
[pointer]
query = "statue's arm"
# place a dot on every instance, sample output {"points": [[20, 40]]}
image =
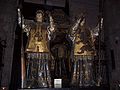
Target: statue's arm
{"points": [[51, 27], [74, 28], [23, 23]]}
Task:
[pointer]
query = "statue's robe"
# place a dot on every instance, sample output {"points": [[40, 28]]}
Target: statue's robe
{"points": [[37, 49], [83, 48]]}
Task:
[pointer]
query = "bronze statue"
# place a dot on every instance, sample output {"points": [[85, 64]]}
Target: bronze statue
{"points": [[38, 55], [60, 47], [83, 52]]}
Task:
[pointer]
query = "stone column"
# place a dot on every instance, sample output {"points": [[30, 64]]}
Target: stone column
{"points": [[112, 41], [8, 21]]}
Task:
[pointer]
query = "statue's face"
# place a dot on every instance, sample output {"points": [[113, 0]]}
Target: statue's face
{"points": [[39, 17]]}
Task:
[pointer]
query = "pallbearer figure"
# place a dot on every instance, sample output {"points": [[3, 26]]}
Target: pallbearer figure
{"points": [[84, 52], [38, 56], [60, 50]]}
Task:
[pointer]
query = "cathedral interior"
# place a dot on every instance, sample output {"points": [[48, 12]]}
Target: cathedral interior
{"points": [[59, 44]]}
